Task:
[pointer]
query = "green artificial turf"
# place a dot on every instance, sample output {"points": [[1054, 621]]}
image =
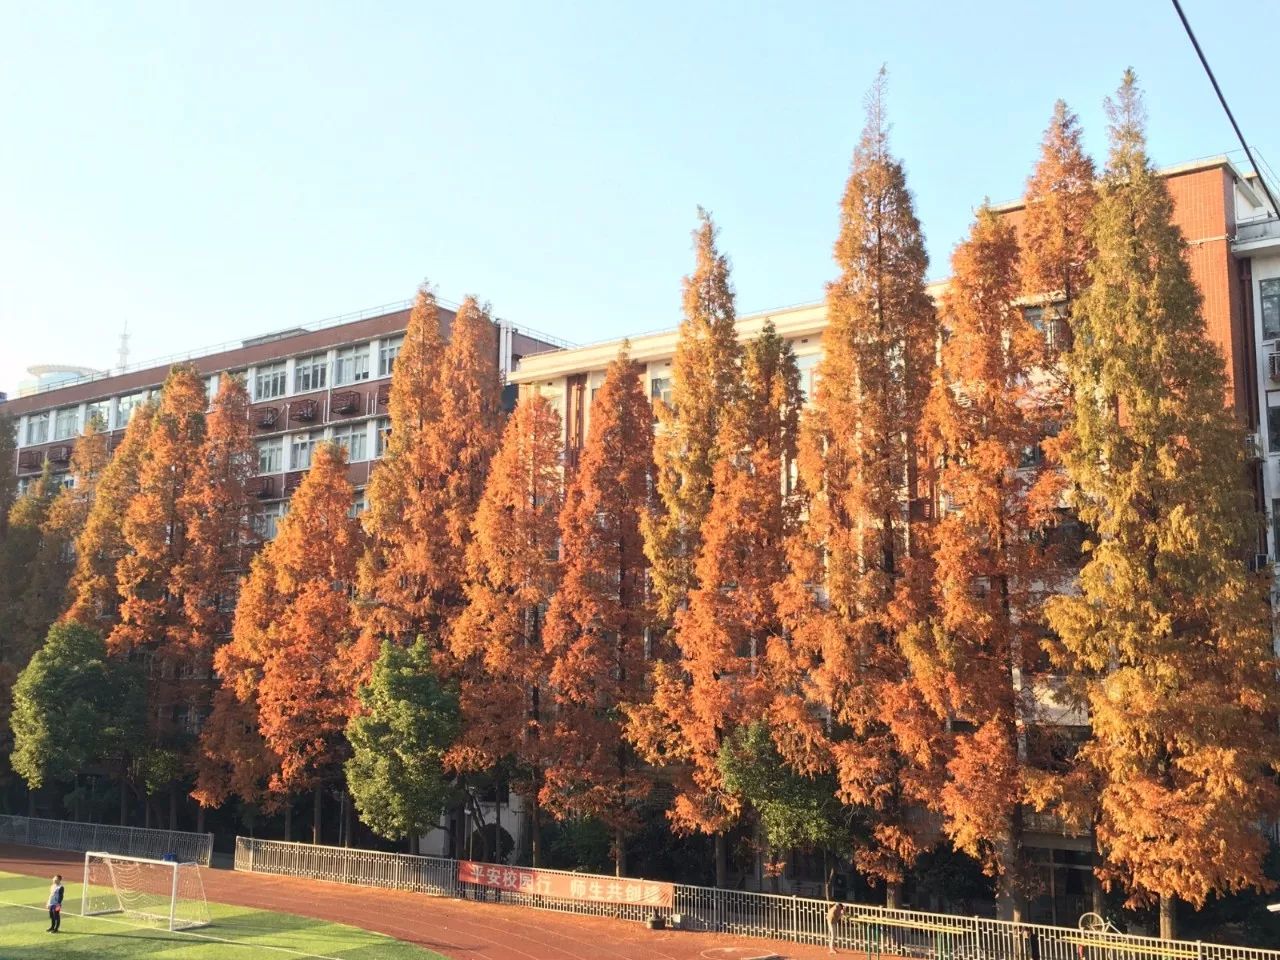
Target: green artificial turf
{"points": [[23, 936]]}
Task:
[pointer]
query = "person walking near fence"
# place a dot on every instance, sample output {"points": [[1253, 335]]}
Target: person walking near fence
{"points": [[56, 892], [834, 915]]}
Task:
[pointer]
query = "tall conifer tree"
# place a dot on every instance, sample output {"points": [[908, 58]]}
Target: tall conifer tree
{"points": [[719, 684], [512, 573], [704, 379], [989, 562], [94, 599], [864, 542], [598, 619], [1170, 637], [8, 469]]}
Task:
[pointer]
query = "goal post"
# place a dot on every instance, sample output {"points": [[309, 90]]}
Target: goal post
{"points": [[159, 893]]}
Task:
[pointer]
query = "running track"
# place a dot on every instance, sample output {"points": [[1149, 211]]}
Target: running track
{"points": [[459, 929]]}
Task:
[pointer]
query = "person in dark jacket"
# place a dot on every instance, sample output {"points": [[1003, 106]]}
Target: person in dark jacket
{"points": [[56, 893]]}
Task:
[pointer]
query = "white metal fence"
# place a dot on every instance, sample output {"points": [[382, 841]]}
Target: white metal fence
{"points": [[876, 931], [125, 841]]}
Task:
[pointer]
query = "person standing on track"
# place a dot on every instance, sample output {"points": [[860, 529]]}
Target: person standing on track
{"points": [[56, 892], [834, 915]]}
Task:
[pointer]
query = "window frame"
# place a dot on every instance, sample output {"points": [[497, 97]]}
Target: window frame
{"points": [[351, 356], [276, 374], [388, 350], [315, 368], [1269, 293]]}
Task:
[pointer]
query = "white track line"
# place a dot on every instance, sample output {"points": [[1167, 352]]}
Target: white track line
{"points": [[185, 933]]}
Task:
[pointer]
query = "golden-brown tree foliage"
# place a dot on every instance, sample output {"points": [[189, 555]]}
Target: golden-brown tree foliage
{"points": [[983, 424], [860, 582], [719, 682], [704, 379], [445, 405], [512, 572], [1169, 640], [94, 596], [1057, 247], [295, 647], [597, 620]]}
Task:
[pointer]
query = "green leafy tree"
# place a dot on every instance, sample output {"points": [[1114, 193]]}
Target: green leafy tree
{"points": [[408, 720], [74, 706]]}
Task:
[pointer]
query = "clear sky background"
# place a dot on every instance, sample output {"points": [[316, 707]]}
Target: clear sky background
{"points": [[211, 171]]}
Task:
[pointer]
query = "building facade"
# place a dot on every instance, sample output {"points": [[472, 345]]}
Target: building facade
{"points": [[329, 381]]}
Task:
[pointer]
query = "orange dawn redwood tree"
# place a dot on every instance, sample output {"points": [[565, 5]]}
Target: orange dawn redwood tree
{"points": [[94, 598], [512, 572], [859, 588], [445, 410], [719, 684], [1169, 639], [597, 622], [704, 379], [991, 561], [296, 651]]}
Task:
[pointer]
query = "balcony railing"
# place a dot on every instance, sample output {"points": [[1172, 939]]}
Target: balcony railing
{"points": [[60, 453], [346, 401], [303, 411], [266, 417], [30, 459]]}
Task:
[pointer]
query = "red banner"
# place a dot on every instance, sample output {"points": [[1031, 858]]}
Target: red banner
{"points": [[567, 886]]}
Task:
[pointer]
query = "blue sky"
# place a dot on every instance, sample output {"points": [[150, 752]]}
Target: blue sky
{"points": [[212, 171]]}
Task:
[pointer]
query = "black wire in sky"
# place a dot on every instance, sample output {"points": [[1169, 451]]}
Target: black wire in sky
{"points": [[1223, 100]]}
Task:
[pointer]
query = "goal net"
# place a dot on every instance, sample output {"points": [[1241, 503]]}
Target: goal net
{"points": [[158, 893]]}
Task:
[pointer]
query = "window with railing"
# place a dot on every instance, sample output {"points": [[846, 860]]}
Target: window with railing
{"points": [[310, 373], [382, 435], [269, 381], [66, 423], [354, 440], [37, 428], [351, 365], [388, 350], [270, 455], [301, 446]]}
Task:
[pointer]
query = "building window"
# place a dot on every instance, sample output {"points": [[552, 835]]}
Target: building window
{"points": [[102, 411], [269, 382], [210, 387], [387, 352], [359, 504], [354, 440], [38, 428], [125, 407], [351, 365], [266, 522], [660, 389], [808, 367], [270, 455], [1275, 527], [310, 373], [1273, 425], [1270, 295], [382, 426], [301, 446], [66, 423]]}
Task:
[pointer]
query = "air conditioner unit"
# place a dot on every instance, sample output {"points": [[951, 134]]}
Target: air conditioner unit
{"points": [[1273, 365]]}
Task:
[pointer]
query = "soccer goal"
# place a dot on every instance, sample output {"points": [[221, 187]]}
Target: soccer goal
{"points": [[159, 893]]}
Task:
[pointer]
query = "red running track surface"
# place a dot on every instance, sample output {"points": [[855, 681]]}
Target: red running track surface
{"points": [[459, 929]]}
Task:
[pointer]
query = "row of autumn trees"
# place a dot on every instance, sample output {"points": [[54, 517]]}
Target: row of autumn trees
{"points": [[826, 621]]}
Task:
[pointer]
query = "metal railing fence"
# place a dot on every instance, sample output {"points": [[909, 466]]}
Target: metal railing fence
{"points": [[876, 931], [126, 841]]}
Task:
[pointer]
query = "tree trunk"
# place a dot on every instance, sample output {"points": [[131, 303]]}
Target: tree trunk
{"points": [[619, 853], [347, 822], [173, 806], [535, 828], [200, 813], [124, 802], [288, 820], [722, 864], [1168, 918], [146, 811], [315, 816], [414, 845], [31, 802], [1009, 887], [893, 895]]}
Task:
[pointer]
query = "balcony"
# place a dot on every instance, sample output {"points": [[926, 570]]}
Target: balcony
{"points": [[261, 487], [30, 459], [61, 453], [266, 417], [303, 411], [384, 394], [346, 402], [293, 480]]}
